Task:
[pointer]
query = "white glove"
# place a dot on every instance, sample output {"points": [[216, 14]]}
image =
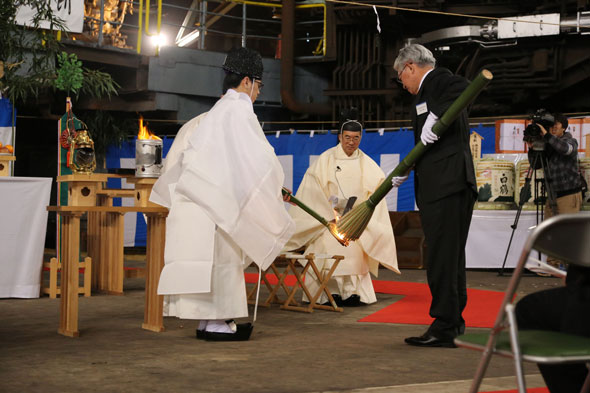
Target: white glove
{"points": [[397, 181], [427, 136], [333, 201]]}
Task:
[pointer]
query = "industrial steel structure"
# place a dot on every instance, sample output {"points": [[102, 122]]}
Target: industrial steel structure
{"points": [[323, 56]]}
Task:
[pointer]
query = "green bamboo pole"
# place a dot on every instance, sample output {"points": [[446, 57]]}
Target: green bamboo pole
{"points": [[466, 98], [306, 208], [330, 225], [354, 222]]}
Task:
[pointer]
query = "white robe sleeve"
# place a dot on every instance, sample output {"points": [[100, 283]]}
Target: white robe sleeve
{"points": [[232, 173]]}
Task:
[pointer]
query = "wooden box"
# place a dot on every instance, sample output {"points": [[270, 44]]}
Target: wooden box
{"points": [[5, 164]]}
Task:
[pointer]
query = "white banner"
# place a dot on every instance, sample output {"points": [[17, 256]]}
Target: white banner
{"points": [[70, 11]]}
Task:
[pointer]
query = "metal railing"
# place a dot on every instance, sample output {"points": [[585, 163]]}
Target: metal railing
{"points": [[109, 28]]}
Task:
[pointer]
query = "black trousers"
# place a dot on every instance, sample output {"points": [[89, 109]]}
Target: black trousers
{"points": [[565, 309], [446, 225]]}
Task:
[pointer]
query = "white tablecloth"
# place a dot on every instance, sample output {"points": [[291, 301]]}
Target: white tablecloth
{"points": [[489, 235], [23, 225]]}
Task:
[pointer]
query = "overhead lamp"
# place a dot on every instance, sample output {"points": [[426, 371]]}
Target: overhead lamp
{"points": [[187, 39], [159, 40]]}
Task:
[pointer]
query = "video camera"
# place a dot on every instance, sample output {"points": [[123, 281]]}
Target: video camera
{"points": [[532, 133]]}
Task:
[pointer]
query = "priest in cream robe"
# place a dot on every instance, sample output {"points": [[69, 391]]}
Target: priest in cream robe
{"points": [[226, 208], [329, 185]]}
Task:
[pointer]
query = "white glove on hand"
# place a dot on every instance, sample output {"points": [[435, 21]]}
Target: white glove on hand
{"points": [[427, 136], [333, 201], [397, 181]]}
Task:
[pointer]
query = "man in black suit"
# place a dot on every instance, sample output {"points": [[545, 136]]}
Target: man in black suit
{"points": [[445, 190]]}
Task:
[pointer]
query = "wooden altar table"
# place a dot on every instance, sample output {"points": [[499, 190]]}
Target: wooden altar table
{"points": [[156, 232]]}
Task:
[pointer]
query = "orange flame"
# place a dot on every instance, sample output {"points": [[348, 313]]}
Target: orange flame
{"points": [[336, 217], [144, 133], [341, 237]]}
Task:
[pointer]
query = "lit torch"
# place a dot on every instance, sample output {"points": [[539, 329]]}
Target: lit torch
{"points": [[332, 227]]}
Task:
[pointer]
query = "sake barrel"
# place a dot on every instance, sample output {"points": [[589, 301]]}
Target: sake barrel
{"points": [[522, 168], [585, 170], [495, 184]]}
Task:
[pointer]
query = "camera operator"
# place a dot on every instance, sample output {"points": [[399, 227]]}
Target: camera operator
{"points": [[561, 309], [562, 174]]}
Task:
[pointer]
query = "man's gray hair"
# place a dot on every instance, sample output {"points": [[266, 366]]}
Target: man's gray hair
{"points": [[414, 53]]}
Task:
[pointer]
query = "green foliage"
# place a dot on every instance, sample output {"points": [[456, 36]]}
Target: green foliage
{"points": [[99, 84], [27, 53], [69, 73], [27, 57], [73, 78]]}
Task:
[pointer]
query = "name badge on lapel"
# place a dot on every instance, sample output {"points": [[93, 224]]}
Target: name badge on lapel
{"points": [[421, 108]]}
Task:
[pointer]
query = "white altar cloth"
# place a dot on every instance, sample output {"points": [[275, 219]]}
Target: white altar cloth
{"points": [[489, 235], [23, 225]]}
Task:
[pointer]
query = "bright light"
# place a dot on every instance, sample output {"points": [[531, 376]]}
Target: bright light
{"points": [[159, 40], [187, 39]]}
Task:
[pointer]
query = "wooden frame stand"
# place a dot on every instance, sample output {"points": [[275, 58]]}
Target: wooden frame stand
{"points": [[154, 303], [54, 267]]}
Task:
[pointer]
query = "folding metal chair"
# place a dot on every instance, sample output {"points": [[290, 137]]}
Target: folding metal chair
{"points": [[565, 237]]}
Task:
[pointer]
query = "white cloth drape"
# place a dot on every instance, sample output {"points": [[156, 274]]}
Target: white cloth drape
{"points": [[489, 234], [23, 225]]}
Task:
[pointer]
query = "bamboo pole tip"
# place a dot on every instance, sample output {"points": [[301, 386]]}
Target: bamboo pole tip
{"points": [[487, 74]]}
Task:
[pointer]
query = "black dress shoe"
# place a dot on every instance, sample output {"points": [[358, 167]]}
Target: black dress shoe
{"points": [[243, 332], [352, 301], [428, 340], [337, 299]]}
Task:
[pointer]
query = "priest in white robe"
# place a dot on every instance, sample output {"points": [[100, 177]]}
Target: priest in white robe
{"points": [[226, 208], [180, 142], [329, 185]]}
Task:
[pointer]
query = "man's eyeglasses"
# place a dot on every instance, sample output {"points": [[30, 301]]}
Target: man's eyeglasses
{"points": [[349, 138], [260, 84], [399, 75]]}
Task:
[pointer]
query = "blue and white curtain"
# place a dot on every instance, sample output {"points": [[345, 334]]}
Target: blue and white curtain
{"points": [[296, 151], [6, 122]]}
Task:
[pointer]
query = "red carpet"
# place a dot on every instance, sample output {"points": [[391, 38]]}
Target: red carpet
{"points": [[532, 390], [481, 309], [252, 278]]}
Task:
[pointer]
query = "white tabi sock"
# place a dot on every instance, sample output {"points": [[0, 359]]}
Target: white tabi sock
{"points": [[202, 324], [220, 326]]}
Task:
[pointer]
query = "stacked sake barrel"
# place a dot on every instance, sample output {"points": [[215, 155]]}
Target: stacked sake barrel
{"points": [[585, 170], [495, 184], [522, 168]]}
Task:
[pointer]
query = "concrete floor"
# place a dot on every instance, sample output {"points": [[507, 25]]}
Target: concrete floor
{"points": [[288, 352]]}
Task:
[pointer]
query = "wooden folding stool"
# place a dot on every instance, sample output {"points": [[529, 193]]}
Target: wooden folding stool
{"points": [[323, 277], [272, 298]]}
